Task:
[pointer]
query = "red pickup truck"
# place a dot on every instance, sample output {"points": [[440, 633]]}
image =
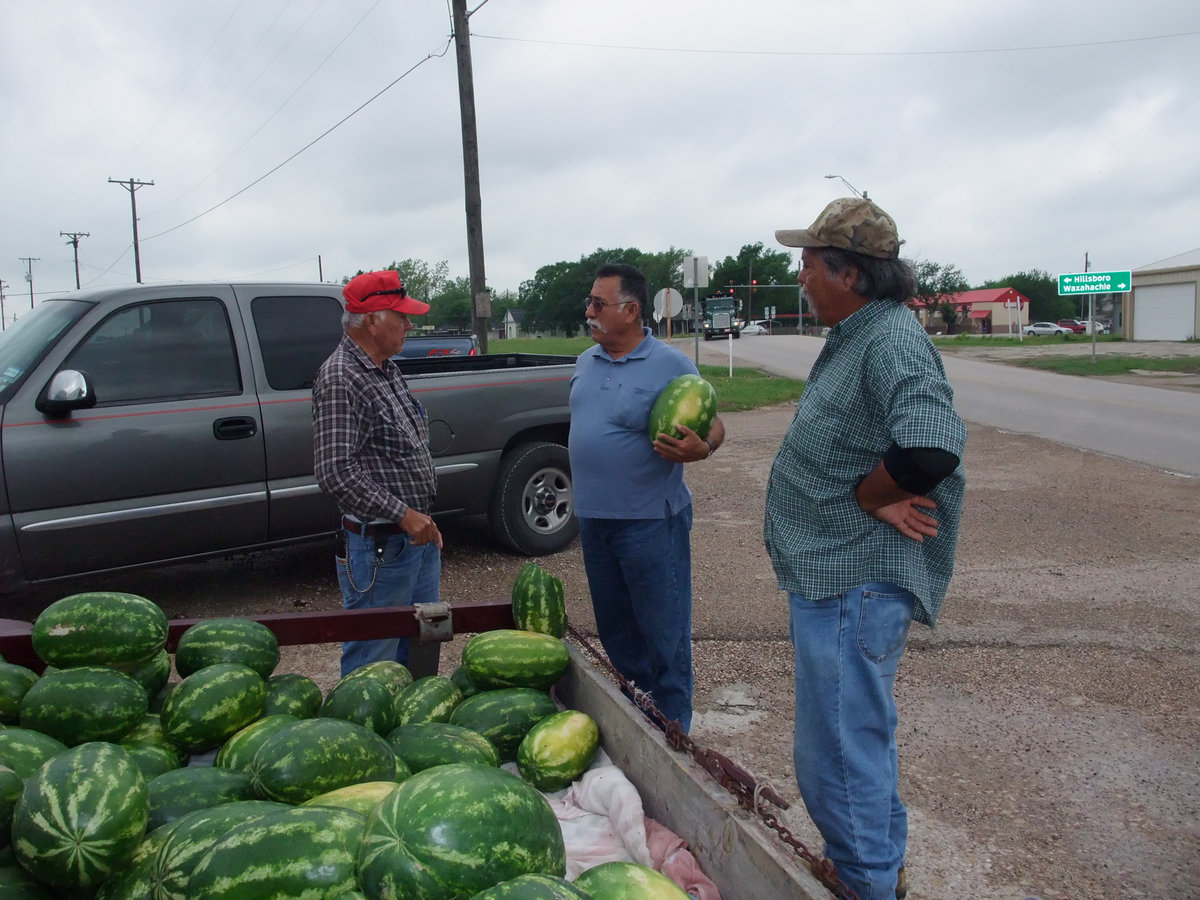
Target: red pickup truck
{"points": [[1074, 324]]}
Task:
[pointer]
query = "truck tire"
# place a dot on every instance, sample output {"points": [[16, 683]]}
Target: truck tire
{"points": [[533, 509]]}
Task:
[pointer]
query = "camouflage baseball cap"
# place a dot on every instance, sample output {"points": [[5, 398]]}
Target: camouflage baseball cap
{"points": [[848, 223]]}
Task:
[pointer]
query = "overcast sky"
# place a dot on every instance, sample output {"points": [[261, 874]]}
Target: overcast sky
{"points": [[1002, 136]]}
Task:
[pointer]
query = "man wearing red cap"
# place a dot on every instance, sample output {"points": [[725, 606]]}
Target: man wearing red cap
{"points": [[371, 452]]}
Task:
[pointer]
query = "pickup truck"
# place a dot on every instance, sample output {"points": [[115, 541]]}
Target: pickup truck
{"points": [[147, 425], [439, 343]]}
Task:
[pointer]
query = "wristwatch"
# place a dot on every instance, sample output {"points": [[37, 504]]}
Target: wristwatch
{"points": [[711, 448]]}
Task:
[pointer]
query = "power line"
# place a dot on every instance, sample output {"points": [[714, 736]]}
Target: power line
{"points": [[825, 53]]}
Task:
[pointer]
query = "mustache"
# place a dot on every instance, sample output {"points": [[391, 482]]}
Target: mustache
{"points": [[594, 323]]}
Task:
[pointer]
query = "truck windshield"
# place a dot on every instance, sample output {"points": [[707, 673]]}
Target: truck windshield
{"points": [[26, 341]]}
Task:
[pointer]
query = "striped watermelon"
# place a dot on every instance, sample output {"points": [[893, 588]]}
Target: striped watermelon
{"points": [[152, 759], [296, 695], [149, 732], [513, 658], [428, 699], [237, 752], [504, 716], [302, 852], [176, 793], [534, 887], [538, 602], [10, 789], [135, 880], [423, 745], [362, 797], [88, 703], [313, 756], [441, 834], [688, 400], [153, 673], [190, 837], [99, 628], [625, 880], [558, 749], [16, 884], [395, 675], [14, 682], [466, 686], [212, 704], [81, 816], [24, 750], [365, 701], [227, 640]]}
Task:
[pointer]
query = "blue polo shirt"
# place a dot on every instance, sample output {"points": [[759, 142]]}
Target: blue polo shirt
{"points": [[615, 472]]}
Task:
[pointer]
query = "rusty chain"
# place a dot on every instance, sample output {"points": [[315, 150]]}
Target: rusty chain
{"points": [[728, 774]]}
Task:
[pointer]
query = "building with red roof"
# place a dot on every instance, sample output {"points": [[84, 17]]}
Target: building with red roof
{"points": [[988, 311]]}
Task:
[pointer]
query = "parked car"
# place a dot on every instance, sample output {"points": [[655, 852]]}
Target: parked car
{"points": [[1073, 325], [1047, 328], [753, 328]]}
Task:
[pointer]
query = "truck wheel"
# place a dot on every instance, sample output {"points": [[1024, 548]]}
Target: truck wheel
{"points": [[533, 509]]}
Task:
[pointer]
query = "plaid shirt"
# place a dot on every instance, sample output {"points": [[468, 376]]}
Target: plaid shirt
{"points": [[370, 438], [879, 380]]}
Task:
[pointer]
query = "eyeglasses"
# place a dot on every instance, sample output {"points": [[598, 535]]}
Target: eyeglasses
{"points": [[598, 303]]}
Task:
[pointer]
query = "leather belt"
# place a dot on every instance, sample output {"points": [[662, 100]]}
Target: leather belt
{"points": [[370, 530]]}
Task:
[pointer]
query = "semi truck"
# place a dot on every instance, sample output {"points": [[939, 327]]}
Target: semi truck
{"points": [[720, 317]]}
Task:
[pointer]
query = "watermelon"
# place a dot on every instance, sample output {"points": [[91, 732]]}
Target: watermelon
{"points": [[24, 750], [442, 834], [190, 837], [558, 749], [512, 658], [136, 881], [428, 699], [152, 674], [313, 756], [534, 887], [81, 816], [628, 881], [395, 675], [176, 793], [362, 797], [364, 701], [14, 682], [88, 703], [504, 716], [152, 759], [227, 640], [212, 704], [423, 745], [688, 400], [10, 789], [16, 884], [466, 686], [302, 852], [99, 628], [538, 602], [237, 752], [296, 695]]}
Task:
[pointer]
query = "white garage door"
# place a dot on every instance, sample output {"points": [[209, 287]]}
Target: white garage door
{"points": [[1164, 312]]}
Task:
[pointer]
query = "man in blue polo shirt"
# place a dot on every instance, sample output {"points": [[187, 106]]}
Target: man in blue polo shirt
{"points": [[862, 514], [635, 512]]}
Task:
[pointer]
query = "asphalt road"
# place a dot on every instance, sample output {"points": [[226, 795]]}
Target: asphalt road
{"points": [[1143, 424]]}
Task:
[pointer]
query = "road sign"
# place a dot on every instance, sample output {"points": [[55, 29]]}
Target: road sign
{"points": [[1095, 283], [695, 271], [667, 299]]}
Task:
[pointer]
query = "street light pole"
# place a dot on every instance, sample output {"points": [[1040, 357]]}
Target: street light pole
{"points": [[852, 187]]}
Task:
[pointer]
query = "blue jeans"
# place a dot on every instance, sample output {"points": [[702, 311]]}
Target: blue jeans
{"points": [[384, 571], [847, 649], [639, 573]]}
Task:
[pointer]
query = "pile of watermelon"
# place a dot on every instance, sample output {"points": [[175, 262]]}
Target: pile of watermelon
{"points": [[119, 783]]}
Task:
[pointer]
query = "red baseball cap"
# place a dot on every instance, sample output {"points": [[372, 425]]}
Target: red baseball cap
{"points": [[373, 291]]}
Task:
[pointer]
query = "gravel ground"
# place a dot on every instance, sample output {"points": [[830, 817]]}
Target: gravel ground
{"points": [[1049, 728]]}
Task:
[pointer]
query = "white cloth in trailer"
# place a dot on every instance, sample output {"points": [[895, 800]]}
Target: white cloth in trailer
{"points": [[1164, 312]]}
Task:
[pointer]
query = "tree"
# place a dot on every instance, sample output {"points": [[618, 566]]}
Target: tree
{"points": [[1042, 290], [935, 284], [766, 267], [451, 308]]}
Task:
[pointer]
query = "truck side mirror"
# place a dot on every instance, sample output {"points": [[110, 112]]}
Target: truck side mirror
{"points": [[69, 389]]}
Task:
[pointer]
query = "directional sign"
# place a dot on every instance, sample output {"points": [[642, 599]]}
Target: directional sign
{"points": [[1095, 283]]}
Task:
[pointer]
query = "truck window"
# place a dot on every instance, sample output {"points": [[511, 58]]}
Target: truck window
{"points": [[26, 341], [296, 334], [168, 349]]}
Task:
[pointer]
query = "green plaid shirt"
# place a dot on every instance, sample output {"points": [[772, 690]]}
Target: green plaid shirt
{"points": [[878, 380]]}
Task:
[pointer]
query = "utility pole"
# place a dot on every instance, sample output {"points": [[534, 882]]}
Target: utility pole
{"points": [[74, 242], [29, 261], [481, 302], [3, 285], [132, 185]]}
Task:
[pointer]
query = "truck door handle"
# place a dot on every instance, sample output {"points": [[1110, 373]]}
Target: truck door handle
{"points": [[234, 428]]}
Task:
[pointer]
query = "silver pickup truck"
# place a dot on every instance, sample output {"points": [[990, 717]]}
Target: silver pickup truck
{"points": [[147, 425]]}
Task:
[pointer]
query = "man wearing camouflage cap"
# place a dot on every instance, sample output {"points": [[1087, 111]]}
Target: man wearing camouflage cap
{"points": [[862, 515]]}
